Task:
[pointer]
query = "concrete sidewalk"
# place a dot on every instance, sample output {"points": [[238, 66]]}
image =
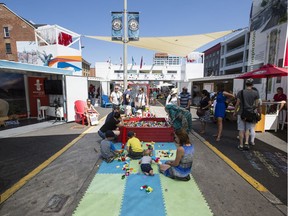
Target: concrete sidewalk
{"points": [[58, 188]]}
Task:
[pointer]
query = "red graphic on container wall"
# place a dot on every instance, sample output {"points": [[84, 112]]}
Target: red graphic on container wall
{"points": [[36, 91], [286, 56]]}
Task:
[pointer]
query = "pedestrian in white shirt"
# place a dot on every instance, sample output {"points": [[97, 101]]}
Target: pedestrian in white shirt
{"points": [[116, 97], [141, 100]]}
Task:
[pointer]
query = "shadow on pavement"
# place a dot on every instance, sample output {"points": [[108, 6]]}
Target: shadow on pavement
{"points": [[263, 162]]}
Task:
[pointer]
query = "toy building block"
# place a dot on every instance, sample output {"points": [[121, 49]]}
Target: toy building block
{"points": [[149, 189], [143, 187], [156, 159]]}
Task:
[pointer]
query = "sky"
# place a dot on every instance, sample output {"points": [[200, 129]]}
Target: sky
{"points": [[157, 18]]}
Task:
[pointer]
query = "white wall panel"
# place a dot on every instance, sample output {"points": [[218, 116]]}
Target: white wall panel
{"points": [[76, 89]]}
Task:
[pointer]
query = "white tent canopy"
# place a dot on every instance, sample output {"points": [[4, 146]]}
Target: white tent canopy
{"points": [[176, 45], [164, 85]]}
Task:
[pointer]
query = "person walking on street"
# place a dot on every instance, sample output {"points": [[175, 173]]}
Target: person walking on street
{"points": [[116, 97], [184, 99], [247, 100], [205, 104], [220, 109]]}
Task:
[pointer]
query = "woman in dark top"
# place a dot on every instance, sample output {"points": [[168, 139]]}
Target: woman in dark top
{"points": [[205, 105]]}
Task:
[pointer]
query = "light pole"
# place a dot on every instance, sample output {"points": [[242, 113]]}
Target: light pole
{"points": [[125, 41]]}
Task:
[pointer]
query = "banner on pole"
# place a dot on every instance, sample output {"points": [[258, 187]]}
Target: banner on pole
{"points": [[117, 26], [133, 26]]}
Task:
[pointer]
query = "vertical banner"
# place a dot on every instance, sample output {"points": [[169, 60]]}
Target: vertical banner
{"points": [[117, 26], [133, 26], [36, 91]]}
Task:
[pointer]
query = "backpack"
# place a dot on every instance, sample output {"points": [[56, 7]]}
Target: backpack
{"points": [[249, 115]]}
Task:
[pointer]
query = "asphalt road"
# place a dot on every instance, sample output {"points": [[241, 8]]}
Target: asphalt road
{"points": [[65, 178]]}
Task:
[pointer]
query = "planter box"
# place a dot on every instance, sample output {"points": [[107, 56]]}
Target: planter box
{"points": [[148, 134]]}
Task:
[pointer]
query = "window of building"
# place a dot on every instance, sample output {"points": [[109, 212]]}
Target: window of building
{"points": [[8, 48], [6, 32], [131, 71], [118, 71]]}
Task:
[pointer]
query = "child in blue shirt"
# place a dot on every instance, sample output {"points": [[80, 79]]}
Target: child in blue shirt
{"points": [[107, 148]]}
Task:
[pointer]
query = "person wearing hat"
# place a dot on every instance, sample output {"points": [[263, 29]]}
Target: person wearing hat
{"points": [[107, 148], [172, 97], [184, 99], [248, 100], [133, 146]]}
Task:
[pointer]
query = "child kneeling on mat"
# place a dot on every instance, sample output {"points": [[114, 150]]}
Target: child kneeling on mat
{"points": [[108, 150]]}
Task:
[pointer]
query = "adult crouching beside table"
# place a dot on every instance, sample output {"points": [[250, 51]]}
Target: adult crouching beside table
{"points": [[179, 117], [112, 124]]}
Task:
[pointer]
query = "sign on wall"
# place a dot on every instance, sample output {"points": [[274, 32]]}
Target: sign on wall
{"points": [[36, 91], [268, 33]]}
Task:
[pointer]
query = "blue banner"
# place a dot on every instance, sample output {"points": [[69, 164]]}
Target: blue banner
{"points": [[133, 26], [117, 26]]}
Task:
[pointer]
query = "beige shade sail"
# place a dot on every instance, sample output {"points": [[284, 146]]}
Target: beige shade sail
{"points": [[176, 45]]}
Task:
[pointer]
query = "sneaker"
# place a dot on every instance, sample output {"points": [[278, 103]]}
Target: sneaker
{"points": [[246, 147], [240, 148], [252, 144], [109, 160]]}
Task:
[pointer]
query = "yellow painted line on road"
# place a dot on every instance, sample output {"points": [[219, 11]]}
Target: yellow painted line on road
{"points": [[4, 196], [241, 172]]}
